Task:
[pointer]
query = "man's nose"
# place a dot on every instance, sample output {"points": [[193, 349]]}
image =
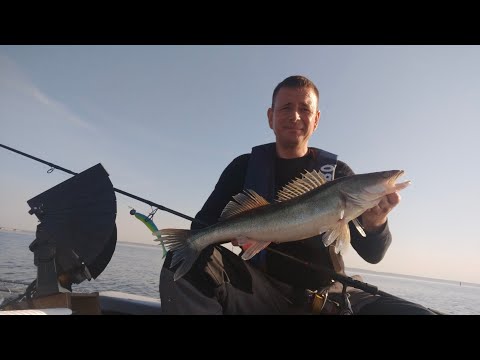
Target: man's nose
{"points": [[295, 116]]}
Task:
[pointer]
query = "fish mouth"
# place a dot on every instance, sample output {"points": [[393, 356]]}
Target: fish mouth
{"points": [[399, 173], [393, 176], [392, 181]]}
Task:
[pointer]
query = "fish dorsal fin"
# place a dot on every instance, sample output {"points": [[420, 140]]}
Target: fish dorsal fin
{"points": [[244, 201], [309, 181]]}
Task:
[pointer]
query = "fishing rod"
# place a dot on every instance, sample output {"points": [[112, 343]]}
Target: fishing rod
{"points": [[53, 166], [346, 280]]}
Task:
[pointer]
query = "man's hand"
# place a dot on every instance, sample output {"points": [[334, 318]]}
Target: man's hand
{"points": [[373, 219]]}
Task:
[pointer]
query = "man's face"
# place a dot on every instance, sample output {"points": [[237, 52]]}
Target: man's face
{"points": [[294, 116]]}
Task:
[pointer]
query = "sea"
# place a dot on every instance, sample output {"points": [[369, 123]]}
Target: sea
{"points": [[135, 268]]}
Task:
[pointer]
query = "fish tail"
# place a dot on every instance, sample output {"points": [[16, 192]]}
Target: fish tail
{"points": [[164, 249], [177, 240], [160, 240], [188, 254]]}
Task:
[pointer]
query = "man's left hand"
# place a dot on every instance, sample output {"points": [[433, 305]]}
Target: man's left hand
{"points": [[373, 219]]}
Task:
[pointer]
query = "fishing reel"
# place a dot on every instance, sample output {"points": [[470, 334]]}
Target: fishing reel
{"points": [[318, 302]]}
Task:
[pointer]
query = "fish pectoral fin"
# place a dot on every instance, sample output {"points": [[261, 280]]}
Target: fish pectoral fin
{"points": [[339, 233], [254, 247], [359, 227], [328, 237]]}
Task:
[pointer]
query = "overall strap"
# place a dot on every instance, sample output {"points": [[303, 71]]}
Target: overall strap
{"points": [[260, 175], [325, 162]]}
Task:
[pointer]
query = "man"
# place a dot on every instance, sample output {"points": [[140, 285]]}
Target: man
{"points": [[220, 282]]}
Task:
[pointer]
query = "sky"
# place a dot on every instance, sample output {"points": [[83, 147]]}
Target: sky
{"points": [[165, 121]]}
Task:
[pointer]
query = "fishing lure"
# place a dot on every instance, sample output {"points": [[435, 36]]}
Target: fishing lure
{"points": [[151, 226]]}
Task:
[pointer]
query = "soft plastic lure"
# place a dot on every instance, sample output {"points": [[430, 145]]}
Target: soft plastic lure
{"points": [[151, 226]]}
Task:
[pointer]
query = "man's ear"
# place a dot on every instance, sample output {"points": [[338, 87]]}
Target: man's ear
{"points": [[317, 120], [270, 117]]}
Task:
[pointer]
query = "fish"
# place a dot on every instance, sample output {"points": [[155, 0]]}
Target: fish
{"points": [[307, 206]]}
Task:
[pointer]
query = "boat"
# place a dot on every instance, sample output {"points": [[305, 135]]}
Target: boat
{"points": [[96, 303], [50, 311]]}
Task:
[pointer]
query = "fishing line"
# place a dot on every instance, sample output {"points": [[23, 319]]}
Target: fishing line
{"points": [[152, 214], [126, 202]]}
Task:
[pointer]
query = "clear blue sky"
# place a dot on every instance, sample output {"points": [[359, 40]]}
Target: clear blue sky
{"points": [[166, 120]]}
